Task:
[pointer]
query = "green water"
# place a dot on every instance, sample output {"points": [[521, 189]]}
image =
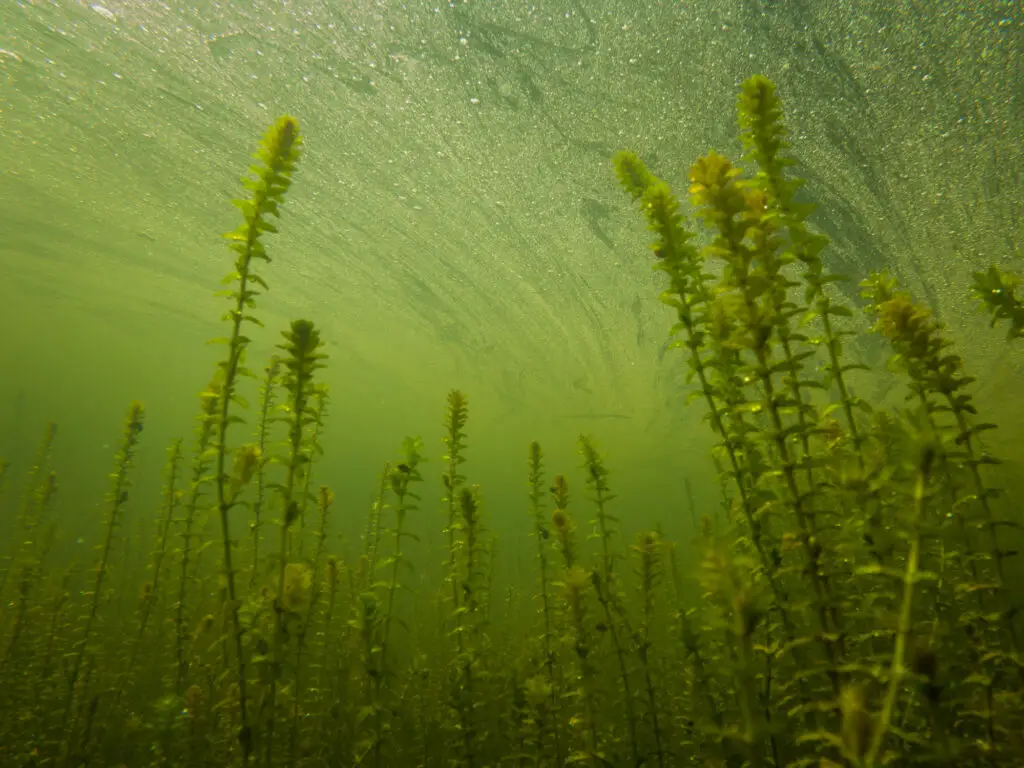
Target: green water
{"points": [[455, 222]]}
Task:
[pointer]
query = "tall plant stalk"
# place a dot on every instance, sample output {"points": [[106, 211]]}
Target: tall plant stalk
{"points": [[277, 156]]}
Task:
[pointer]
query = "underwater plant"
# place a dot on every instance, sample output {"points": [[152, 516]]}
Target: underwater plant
{"points": [[649, 561], [202, 463], [317, 414], [542, 534], [278, 154], [270, 381], [405, 473], [116, 500], [469, 628], [301, 358], [836, 495], [927, 449], [455, 446], [151, 588], [604, 580], [996, 289], [850, 599], [371, 538], [27, 556], [325, 499]]}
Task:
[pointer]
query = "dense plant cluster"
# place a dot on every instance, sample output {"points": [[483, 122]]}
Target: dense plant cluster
{"points": [[851, 603]]}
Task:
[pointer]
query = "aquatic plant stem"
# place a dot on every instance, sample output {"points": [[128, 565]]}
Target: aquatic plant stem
{"points": [[575, 585], [604, 579], [371, 539], [733, 213], [689, 296], [454, 440], [224, 504], [171, 499], [540, 532], [647, 549], [325, 498], [209, 406], [302, 359], [620, 657], [897, 671], [266, 406], [224, 508], [982, 494], [469, 626], [116, 499], [405, 473], [317, 411], [279, 152]]}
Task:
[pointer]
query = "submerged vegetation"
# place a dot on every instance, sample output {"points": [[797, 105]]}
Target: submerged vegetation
{"points": [[998, 291], [851, 603]]}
